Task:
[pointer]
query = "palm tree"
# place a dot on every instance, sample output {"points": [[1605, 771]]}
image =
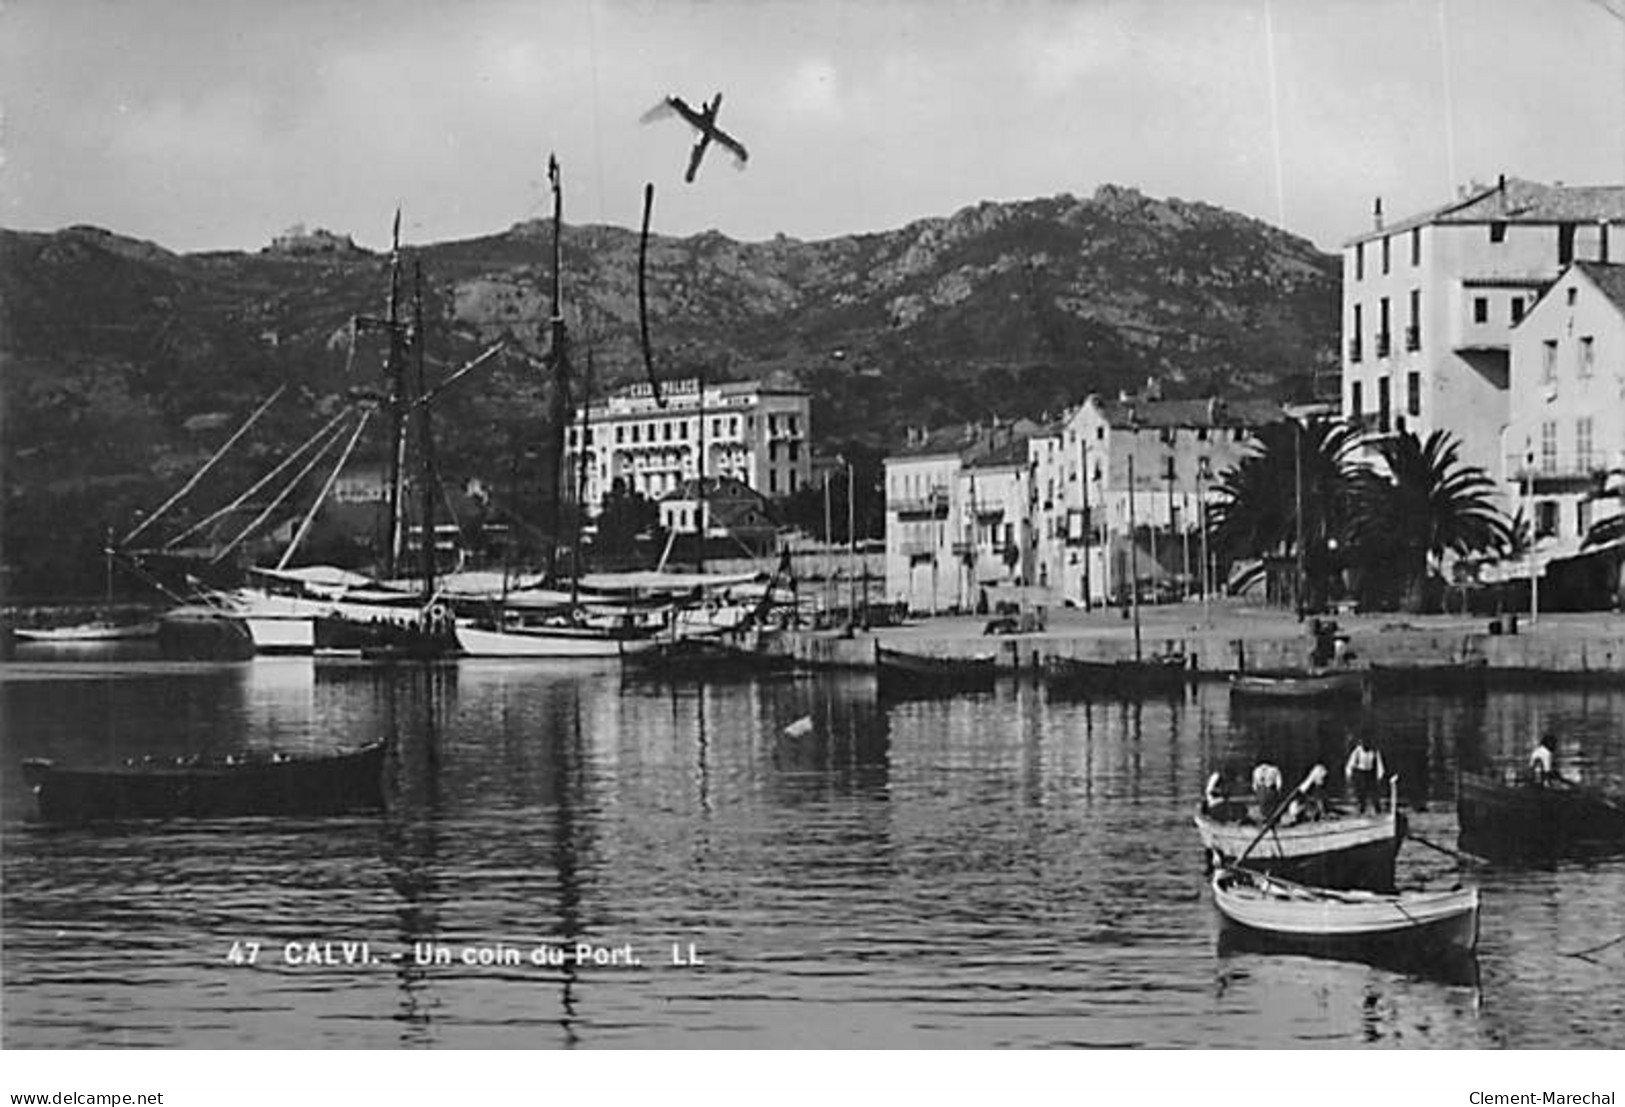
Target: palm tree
{"points": [[1419, 502], [1256, 510]]}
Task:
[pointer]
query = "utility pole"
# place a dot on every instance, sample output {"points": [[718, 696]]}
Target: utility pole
{"points": [[1297, 513], [1133, 559], [1088, 524]]}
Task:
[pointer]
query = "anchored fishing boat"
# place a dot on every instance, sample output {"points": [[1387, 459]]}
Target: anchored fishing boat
{"points": [[1298, 685], [327, 784], [1502, 819], [1125, 678], [903, 673], [1334, 923]]}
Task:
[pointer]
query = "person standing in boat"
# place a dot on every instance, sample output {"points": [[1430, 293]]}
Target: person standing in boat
{"points": [[1267, 788], [1542, 763], [1365, 772]]}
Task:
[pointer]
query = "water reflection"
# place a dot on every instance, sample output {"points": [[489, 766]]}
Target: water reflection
{"points": [[1010, 868]]}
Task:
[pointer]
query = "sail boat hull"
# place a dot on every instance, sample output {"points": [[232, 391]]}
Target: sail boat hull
{"points": [[557, 642]]}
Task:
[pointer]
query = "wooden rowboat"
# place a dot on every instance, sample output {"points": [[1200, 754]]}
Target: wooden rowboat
{"points": [[1298, 684], [1351, 851], [903, 673], [327, 784], [87, 633], [1125, 678], [1520, 819], [1419, 926]]}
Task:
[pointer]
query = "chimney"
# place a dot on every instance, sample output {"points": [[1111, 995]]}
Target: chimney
{"points": [[1501, 183], [1376, 214]]}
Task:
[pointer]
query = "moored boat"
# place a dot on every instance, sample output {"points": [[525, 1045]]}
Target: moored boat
{"points": [[1298, 684], [1521, 819], [1413, 926], [1343, 852], [1423, 677], [87, 633], [327, 784], [1124, 678], [903, 673], [709, 656]]}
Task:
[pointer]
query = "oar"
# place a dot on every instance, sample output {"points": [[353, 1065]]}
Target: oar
{"points": [[1316, 776], [1460, 857]]}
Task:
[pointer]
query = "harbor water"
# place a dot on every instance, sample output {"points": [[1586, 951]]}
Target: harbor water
{"points": [[572, 857]]}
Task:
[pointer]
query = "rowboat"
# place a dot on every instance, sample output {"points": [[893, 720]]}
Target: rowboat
{"points": [[1288, 916], [1123, 678], [326, 784], [1522, 819], [1440, 676], [87, 633], [707, 656], [903, 673], [1298, 684], [1350, 851]]}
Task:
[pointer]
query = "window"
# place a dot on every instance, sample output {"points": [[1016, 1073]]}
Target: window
{"points": [[1548, 361], [1481, 309], [1238, 435], [635, 431], [1588, 355], [1356, 400], [682, 430], [1545, 518], [1582, 517], [1573, 295], [1583, 459], [1383, 339], [1359, 330], [1359, 261], [773, 480], [1384, 405], [1565, 244], [1385, 252], [1413, 332], [1548, 446], [1413, 393], [1517, 310], [620, 435], [1201, 434], [1498, 232], [795, 451], [1416, 246], [792, 477]]}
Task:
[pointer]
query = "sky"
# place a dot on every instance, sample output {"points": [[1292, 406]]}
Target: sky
{"points": [[217, 124]]}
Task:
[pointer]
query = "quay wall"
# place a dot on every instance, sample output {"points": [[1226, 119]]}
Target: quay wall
{"points": [[1215, 655]]}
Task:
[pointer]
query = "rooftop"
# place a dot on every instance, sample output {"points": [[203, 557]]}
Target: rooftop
{"points": [[1514, 200]]}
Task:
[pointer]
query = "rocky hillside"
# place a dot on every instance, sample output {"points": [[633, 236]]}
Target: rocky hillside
{"points": [[126, 364]]}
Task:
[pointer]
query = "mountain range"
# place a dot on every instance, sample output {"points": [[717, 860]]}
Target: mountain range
{"points": [[127, 364]]}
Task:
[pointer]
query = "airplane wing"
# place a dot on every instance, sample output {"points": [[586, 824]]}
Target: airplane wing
{"points": [[733, 146], [696, 155]]}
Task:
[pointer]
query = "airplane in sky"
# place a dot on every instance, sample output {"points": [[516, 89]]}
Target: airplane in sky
{"points": [[703, 120]]}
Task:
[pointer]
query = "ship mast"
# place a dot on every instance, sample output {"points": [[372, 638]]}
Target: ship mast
{"points": [[558, 362], [395, 373], [426, 471]]}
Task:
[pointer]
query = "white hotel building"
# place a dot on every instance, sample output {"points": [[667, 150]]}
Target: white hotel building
{"points": [[757, 432], [1430, 303]]}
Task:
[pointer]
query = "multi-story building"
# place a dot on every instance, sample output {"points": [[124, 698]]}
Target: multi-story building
{"points": [[755, 432], [1148, 467], [1054, 507], [1430, 303], [940, 528], [1566, 426]]}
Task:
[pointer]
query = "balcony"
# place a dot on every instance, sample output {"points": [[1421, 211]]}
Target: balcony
{"points": [[1413, 337], [1385, 344], [933, 506], [1355, 352]]}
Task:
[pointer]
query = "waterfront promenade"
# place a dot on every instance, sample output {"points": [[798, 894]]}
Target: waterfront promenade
{"points": [[1228, 636]]}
